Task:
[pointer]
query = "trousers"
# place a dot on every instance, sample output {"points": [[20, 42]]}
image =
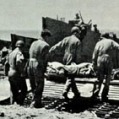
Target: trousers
{"points": [[36, 76], [104, 69], [18, 88]]}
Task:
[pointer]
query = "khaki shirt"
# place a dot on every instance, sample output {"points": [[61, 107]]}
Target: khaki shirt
{"points": [[39, 50], [104, 46], [16, 60], [71, 47]]}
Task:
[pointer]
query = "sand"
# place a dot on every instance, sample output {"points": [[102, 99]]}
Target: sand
{"points": [[19, 112]]}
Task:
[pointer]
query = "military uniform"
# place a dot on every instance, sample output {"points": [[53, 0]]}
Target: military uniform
{"points": [[37, 65], [16, 79], [71, 47], [103, 64]]}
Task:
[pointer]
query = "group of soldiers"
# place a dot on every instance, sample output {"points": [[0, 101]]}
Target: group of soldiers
{"points": [[39, 53]]}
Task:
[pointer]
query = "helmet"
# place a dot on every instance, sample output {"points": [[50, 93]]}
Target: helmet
{"points": [[20, 43], [45, 32], [105, 35], [95, 25], [75, 29]]}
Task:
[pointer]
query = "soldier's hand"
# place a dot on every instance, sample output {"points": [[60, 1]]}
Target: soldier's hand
{"points": [[52, 50]]}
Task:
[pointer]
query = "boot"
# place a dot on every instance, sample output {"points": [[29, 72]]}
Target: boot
{"points": [[105, 93]]}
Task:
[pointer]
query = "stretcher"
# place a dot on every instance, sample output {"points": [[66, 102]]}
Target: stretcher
{"points": [[57, 72], [60, 72]]}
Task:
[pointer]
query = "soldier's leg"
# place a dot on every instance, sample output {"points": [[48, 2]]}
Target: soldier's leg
{"points": [[108, 71], [23, 88], [106, 88], [107, 82], [67, 87], [67, 60], [38, 92], [100, 76], [98, 85], [30, 71], [14, 89], [74, 87], [32, 83]]}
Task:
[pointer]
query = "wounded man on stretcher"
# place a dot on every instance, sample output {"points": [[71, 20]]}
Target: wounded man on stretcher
{"points": [[78, 70]]}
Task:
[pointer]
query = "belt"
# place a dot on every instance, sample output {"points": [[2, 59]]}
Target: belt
{"points": [[32, 59]]}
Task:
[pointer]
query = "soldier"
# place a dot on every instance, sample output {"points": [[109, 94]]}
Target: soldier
{"points": [[71, 47], [102, 62], [37, 65], [95, 28], [4, 54], [16, 66]]}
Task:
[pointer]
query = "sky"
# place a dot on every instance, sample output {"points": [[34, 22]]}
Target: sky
{"points": [[27, 14]]}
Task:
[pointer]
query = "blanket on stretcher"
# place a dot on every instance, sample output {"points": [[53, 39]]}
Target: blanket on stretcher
{"points": [[78, 70]]}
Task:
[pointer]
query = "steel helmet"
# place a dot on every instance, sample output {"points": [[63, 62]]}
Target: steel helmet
{"points": [[105, 35], [45, 32], [75, 29], [20, 43]]}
